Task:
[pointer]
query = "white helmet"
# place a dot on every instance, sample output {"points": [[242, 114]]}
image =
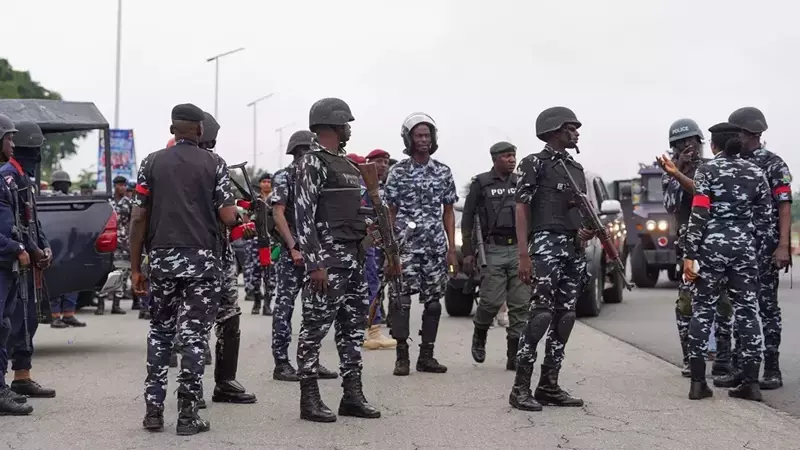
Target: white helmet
{"points": [[412, 121]]}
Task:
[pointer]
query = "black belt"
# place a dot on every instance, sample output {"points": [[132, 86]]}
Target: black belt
{"points": [[502, 240]]}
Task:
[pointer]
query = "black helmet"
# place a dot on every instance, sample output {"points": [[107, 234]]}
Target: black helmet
{"points": [[28, 135], [298, 138], [749, 119], [410, 123], [552, 119], [502, 147], [210, 128], [684, 128], [329, 111], [6, 126], [60, 175]]}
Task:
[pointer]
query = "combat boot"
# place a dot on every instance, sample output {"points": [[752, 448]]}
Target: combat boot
{"points": [[699, 389], [478, 345], [115, 308], [521, 396], [226, 388], [284, 372], [311, 406], [772, 372], [256, 304], [9, 406], [731, 380], [353, 402], [512, 346], [401, 366], [154, 418], [722, 362], [267, 309], [749, 388], [426, 362], [189, 422], [376, 339], [548, 392], [101, 306], [325, 373]]}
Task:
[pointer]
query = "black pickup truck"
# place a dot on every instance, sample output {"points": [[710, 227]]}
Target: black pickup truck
{"points": [[82, 230]]}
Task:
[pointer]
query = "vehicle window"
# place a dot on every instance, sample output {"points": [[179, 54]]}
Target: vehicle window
{"points": [[652, 189]]}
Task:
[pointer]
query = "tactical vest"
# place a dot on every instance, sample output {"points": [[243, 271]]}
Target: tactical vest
{"points": [[340, 199], [554, 207], [182, 184], [498, 205]]}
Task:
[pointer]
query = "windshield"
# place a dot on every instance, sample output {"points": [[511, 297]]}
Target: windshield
{"points": [[653, 190]]}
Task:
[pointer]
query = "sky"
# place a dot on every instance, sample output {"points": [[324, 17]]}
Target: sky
{"points": [[482, 70]]}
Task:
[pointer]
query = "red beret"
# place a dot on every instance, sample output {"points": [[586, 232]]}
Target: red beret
{"points": [[378, 153], [356, 159]]}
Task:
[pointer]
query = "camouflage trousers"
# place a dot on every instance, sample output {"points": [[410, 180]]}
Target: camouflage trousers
{"points": [[738, 265], [558, 281], [255, 273], [183, 306], [768, 308], [424, 274], [345, 306], [228, 303], [289, 281], [723, 323]]}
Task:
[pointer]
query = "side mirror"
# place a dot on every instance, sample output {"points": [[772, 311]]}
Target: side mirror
{"points": [[610, 207]]}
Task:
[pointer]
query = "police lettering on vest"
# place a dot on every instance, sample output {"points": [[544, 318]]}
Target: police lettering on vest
{"points": [[553, 207], [497, 210], [340, 199]]}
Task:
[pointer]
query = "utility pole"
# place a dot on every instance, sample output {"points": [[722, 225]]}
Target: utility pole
{"points": [[254, 104], [281, 151], [216, 78], [117, 75]]}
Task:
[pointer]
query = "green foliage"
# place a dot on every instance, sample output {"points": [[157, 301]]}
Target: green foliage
{"points": [[86, 176], [19, 84]]}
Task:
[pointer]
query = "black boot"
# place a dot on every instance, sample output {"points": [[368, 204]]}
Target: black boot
{"points": [[548, 392], [115, 308], [479, 345], [154, 418], [512, 346], [101, 306], [772, 372], [311, 406], [189, 422], [521, 397], [326, 374], [353, 402], [731, 380], [699, 389], [30, 388], [284, 372], [426, 362], [227, 389], [136, 304], [256, 304], [401, 366], [9, 406], [749, 388], [267, 309], [722, 363], [144, 314]]}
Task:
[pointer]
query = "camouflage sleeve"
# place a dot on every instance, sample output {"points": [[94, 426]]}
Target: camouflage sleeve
{"points": [[701, 210], [222, 190], [280, 188], [780, 179], [308, 181], [527, 175], [672, 193], [391, 194], [763, 217], [450, 196], [141, 195]]}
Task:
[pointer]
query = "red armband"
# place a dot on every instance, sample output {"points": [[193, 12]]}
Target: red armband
{"points": [[243, 203], [237, 232], [701, 201], [265, 256], [141, 190], [782, 190]]}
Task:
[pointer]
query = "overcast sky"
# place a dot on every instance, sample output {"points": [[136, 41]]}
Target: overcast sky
{"points": [[482, 70]]}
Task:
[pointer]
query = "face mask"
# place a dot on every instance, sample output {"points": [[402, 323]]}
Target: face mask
{"points": [[28, 159]]}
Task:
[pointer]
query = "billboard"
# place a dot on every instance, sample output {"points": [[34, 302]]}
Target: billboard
{"points": [[123, 158]]}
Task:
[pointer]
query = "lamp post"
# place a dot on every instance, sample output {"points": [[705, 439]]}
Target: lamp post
{"points": [[216, 78], [117, 74], [254, 104], [280, 142]]}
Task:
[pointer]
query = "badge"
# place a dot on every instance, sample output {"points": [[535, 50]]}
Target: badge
{"points": [[787, 179]]}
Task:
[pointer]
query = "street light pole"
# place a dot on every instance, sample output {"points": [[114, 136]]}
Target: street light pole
{"points": [[280, 142], [254, 104], [117, 76], [216, 77]]}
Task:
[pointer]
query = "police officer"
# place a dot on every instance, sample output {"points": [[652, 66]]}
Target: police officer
{"points": [[491, 196], [686, 142], [729, 229], [180, 229], [557, 249], [13, 257], [753, 123], [130, 188], [228, 313], [254, 272], [330, 227], [289, 268], [60, 183], [17, 173], [123, 207], [421, 189]]}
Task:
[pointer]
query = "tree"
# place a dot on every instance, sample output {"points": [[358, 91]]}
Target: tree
{"points": [[86, 176], [18, 84]]}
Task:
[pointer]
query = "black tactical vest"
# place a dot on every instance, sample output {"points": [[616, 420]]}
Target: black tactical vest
{"points": [[554, 207], [498, 204], [340, 200], [182, 182]]}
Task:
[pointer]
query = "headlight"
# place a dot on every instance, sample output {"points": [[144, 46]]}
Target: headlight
{"points": [[650, 225], [458, 238], [663, 225]]}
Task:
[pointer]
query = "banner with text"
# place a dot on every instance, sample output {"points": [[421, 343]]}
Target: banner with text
{"points": [[123, 158]]}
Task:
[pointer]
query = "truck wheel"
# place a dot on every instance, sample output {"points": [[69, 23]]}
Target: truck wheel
{"points": [[614, 293], [591, 301], [456, 302], [86, 298], [672, 274], [642, 275]]}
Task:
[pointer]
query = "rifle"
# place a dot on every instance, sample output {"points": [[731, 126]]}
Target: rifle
{"points": [[592, 222], [19, 231], [469, 285], [260, 212]]}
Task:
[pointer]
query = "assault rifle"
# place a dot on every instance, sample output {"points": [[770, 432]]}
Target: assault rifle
{"points": [[593, 223], [260, 212], [23, 273], [469, 285]]}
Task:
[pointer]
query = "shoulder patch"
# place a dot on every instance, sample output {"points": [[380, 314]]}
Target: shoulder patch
{"points": [[9, 180]]}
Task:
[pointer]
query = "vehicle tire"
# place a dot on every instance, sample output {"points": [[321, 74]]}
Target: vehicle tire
{"points": [[591, 301], [613, 294], [643, 276], [456, 302], [672, 274], [86, 298]]}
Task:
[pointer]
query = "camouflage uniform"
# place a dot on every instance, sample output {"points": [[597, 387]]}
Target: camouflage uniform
{"points": [[418, 192], [123, 208], [730, 225]]}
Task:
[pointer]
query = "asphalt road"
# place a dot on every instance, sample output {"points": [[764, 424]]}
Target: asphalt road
{"points": [[646, 320]]}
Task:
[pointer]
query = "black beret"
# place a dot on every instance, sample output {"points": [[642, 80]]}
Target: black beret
{"points": [[502, 147], [120, 179], [725, 127], [188, 112], [265, 176]]}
